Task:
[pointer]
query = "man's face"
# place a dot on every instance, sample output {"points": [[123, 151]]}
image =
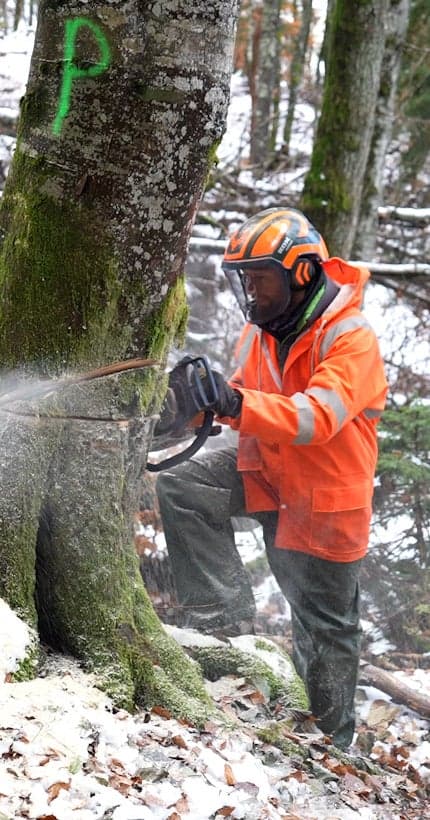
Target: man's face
{"points": [[267, 292]]}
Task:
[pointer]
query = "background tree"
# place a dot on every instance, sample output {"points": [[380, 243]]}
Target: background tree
{"points": [[265, 81], [333, 187], [414, 104], [116, 137], [398, 567], [297, 68], [365, 240]]}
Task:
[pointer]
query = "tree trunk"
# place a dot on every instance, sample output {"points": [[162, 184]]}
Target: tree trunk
{"points": [[333, 187], [266, 83], [396, 27], [118, 131], [413, 113], [19, 10], [297, 69]]}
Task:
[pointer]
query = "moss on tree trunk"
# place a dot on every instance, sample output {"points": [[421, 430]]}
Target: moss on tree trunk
{"points": [[333, 187]]}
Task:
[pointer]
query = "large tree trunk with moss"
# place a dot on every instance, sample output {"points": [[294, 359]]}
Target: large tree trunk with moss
{"points": [[118, 130], [334, 184]]}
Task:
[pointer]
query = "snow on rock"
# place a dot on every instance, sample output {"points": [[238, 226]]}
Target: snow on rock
{"points": [[15, 640], [267, 651]]}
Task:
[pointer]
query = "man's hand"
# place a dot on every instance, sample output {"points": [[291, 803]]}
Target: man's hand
{"points": [[194, 388], [229, 401]]}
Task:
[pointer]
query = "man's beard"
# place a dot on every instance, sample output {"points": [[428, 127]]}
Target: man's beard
{"points": [[260, 314]]}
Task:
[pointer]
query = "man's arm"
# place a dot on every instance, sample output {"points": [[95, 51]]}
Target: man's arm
{"points": [[349, 380]]}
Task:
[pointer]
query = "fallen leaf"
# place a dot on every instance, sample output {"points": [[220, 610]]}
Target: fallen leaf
{"points": [[179, 741], [296, 775], [114, 763], [162, 712], [55, 788], [354, 785], [48, 757], [121, 784], [229, 776], [373, 781], [402, 751], [226, 811], [340, 768], [182, 804], [257, 697], [381, 714], [151, 799], [291, 817]]}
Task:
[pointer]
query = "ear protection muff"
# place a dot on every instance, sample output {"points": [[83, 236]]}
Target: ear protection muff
{"points": [[303, 272]]}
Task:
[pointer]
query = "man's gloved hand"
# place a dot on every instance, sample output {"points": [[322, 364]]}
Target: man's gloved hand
{"points": [[193, 388], [187, 396], [229, 402]]}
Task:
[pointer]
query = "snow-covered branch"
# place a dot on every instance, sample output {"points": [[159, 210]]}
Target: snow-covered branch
{"points": [[414, 215], [383, 269]]}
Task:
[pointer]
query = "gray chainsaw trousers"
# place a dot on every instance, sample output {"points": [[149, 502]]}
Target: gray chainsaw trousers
{"points": [[197, 501]]}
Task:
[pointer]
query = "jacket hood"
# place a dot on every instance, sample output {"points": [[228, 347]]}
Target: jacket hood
{"points": [[351, 278]]}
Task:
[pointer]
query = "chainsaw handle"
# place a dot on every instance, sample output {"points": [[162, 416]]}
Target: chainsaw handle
{"points": [[204, 395], [203, 433]]}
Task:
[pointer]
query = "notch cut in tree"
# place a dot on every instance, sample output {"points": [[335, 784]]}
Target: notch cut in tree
{"points": [[95, 223]]}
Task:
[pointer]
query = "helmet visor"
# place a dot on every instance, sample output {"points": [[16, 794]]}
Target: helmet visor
{"points": [[262, 292]]}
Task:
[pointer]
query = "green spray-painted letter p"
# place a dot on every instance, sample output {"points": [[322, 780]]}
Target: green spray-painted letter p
{"points": [[71, 72]]}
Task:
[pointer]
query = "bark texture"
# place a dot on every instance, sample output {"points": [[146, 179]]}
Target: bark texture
{"points": [[373, 189], [265, 84], [334, 185], [297, 69], [125, 105]]}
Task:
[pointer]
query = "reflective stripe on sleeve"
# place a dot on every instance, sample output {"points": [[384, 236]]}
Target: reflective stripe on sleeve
{"points": [[372, 412], [350, 323], [306, 412], [274, 372], [306, 416], [332, 400]]}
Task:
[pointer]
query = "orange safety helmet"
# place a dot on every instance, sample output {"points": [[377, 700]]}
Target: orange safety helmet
{"points": [[279, 237]]}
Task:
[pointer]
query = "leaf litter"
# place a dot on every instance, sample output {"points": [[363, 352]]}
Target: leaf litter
{"points": [[67, 754]]}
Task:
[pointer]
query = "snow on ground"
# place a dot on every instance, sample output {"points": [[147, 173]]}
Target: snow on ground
{"points": [[67, 754]]}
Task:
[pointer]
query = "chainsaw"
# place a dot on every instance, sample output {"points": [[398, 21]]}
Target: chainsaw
{"points": [[187, 409], [191, 395]]}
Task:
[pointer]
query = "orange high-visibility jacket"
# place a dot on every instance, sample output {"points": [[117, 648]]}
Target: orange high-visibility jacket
{"points": [[307, 436]]}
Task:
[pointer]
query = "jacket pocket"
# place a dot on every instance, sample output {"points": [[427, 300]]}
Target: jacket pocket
{"points": [[341, 516]]}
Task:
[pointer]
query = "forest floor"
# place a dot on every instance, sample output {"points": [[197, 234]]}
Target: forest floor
{"points": [[67, 754]]}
